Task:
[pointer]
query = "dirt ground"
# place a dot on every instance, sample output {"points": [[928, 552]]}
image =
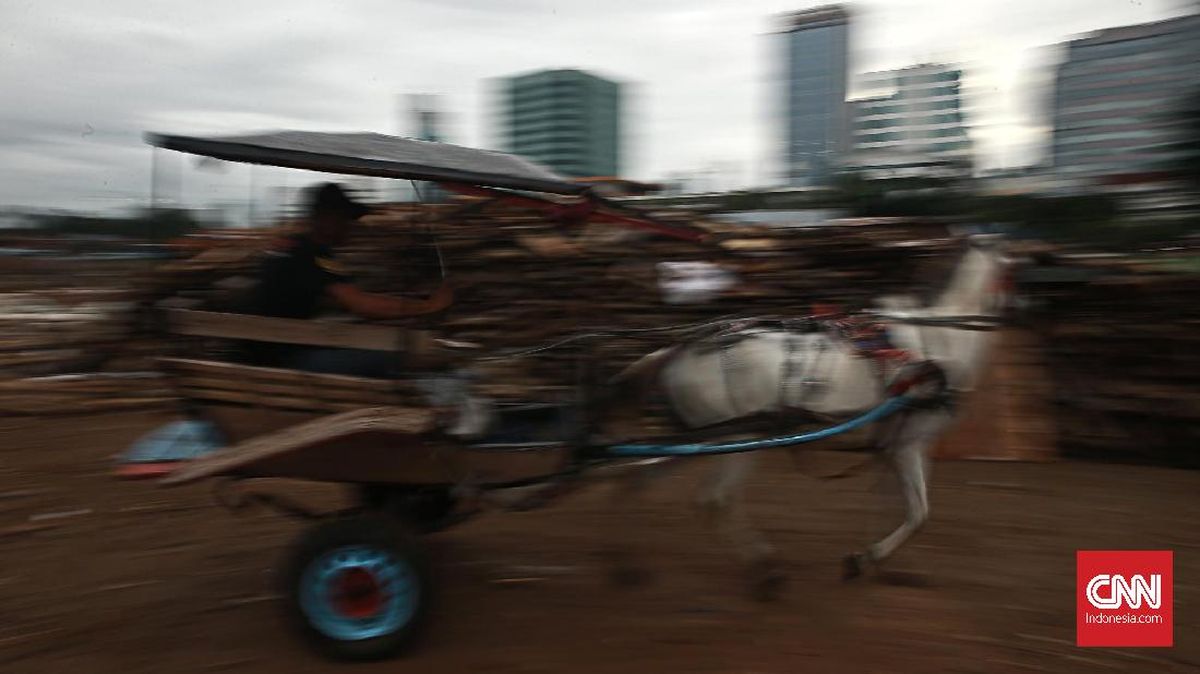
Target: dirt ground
{"points": [[98, 576]]}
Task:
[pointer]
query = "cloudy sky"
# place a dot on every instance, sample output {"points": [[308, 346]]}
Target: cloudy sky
{"points": [[82, 80]]}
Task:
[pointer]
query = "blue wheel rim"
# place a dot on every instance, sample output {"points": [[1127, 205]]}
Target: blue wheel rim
{"points": [[394, 579]]}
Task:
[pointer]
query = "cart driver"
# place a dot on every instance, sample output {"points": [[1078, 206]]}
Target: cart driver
{"points": [[302, 270]]}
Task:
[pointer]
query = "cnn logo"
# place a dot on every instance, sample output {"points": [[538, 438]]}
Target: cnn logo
{"points": [[1111, 592], [1124, 598]]}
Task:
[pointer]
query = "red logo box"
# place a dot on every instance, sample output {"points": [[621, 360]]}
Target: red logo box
{"points": [[1124, 598]]}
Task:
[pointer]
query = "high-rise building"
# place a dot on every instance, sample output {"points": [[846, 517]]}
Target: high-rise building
{"points": [[915, 111], [567, 120], [424, 118], [1114, 94], [816, 132]]}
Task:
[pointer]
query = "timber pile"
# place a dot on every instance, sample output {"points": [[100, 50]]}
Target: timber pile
{"points": [[84, 393], [49, 332], [522, 283], [1124, 350]]}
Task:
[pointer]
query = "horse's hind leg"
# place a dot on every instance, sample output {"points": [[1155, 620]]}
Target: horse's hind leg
{"points": [[721, 501], [628, 492]]}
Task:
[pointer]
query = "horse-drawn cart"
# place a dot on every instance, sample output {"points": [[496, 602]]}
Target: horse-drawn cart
{"points": [[356, 584]]}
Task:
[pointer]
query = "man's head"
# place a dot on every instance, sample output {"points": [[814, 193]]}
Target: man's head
{"points": [[331, 212]]}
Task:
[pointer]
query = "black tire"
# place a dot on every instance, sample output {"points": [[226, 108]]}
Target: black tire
{"points": [[357, 588]]}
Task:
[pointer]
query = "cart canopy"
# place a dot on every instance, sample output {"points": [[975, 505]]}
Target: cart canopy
{"points": [[374, 154]]}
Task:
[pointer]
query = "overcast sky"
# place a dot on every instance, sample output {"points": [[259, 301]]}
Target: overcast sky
{"points": [[82, 80]]}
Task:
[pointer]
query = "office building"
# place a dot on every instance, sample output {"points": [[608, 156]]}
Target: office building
{"points": [[1114, 95], [567, 120], [915, 112], [814, 109]]}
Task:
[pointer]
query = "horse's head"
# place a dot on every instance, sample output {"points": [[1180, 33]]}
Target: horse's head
{"points": [[981, 282], [999, 292]]}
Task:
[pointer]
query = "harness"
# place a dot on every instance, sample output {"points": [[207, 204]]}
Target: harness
{"points": [[867, 338]]}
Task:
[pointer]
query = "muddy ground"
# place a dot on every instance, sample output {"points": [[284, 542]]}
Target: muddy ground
{"points": [[98, 576]]}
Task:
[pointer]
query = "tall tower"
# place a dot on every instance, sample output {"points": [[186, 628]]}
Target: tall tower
{"points": [[815, 120], [566, 120], [422, 119]]}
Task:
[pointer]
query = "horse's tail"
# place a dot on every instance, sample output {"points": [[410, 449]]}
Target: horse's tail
{"points": [[642, 371], [621, 402]]}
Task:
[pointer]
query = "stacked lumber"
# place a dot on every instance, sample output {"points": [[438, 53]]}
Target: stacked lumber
{"points": [[1124, 350], [47, 332], [84, 393], [520, 282]]}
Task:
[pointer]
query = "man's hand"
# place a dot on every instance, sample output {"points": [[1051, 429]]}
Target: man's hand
{"points": [[441, 298], [383, 307]]}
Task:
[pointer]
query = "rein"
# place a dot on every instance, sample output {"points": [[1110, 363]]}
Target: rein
{"points": [[966, 322], [730, 326]]}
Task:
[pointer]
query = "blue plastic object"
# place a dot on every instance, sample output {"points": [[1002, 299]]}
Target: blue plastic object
{"points": [[386, 604], [176, 441], [889, 406]]}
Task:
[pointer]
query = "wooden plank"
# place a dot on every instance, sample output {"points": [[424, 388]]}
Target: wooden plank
{"points": [[235, 371], [268, 455], [268, 400], [285, 330], [314, 392]]}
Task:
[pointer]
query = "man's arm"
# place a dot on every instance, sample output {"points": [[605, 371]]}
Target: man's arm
{"points": [[382, 307]]}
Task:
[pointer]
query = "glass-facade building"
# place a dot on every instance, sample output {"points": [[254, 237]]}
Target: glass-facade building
{"points": [[916, 110], [567, 120], [815, 124], [1114, 94]]}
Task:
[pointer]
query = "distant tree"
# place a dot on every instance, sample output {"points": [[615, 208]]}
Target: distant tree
{"points": [[150, 224], [899, 197]]}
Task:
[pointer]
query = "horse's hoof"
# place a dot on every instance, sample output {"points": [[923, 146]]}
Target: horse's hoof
{"points": [[853, 565], [767, 580]]}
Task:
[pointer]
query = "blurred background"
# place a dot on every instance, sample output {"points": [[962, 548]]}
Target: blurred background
{"points": [[836, 150]]}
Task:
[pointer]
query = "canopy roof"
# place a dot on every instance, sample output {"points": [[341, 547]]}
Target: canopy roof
{"points": [[374, 154]]}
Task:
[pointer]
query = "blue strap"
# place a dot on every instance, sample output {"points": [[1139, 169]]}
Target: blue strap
{"points": [[889, 406]]}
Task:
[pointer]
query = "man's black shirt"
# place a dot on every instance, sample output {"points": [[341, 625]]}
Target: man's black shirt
{"points": [[294, 277]]}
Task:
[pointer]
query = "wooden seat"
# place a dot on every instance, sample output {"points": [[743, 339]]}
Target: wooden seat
{"points": [[290, 423], [248, 400]]}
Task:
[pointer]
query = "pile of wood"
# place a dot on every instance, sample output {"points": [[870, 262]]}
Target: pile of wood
{"points": [[84, 393], [57, 331], [1124, 352], [1119, 347], [521, 282]]}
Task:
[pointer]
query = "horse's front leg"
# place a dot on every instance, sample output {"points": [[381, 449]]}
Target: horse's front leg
{"points": [[908, 456], [722, 502]]}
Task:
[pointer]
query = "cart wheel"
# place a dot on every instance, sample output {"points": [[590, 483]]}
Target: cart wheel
{"points": [[357, 588]]}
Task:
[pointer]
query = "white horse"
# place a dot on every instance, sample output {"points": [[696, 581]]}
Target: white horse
{"points": [[774, 371]]}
